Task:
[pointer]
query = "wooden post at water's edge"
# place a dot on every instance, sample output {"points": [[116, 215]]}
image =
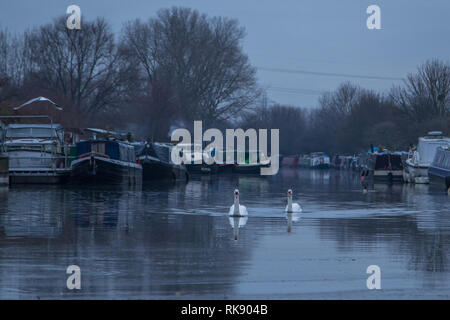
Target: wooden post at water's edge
{"points": [[4, 170]]}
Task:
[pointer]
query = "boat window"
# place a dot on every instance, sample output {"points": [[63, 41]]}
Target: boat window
{"points": [[98, 147], [18, 132], [30, 133], [43, 132], [131, 155], [447, 160]]}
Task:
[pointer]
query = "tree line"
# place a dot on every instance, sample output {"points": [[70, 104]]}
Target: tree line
{"points": [[350, 119], [175, 67], [181, 65]]}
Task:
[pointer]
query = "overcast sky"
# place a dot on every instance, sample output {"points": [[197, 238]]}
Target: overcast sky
{"points": [[324, 36]]}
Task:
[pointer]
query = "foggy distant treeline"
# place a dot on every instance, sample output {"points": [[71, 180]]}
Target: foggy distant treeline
{"points": [[181, 65]]}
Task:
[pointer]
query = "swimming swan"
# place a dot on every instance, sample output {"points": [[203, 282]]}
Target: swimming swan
{"points": [[237, 210], [292, 207]]}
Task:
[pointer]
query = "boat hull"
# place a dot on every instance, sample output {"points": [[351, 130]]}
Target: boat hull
{"points": [[32, 167], [387, 176], [153, 170], [96, 169], [439, 177], [248, 168], [42, 176], [321, 166], [225, 168], [201, 168], [415, 173]]}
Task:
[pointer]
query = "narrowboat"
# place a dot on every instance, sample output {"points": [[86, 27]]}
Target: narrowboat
{"points": [[385, 166], [416, 166], [304, 161], [315, 160], [439, 170], [252, 163], [319, 160], [222, 164], [157, 164], [105, 161], [193, 156], [290, 161]]}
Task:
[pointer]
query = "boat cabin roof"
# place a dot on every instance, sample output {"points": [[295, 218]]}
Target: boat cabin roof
{"points": [[37, 125]]}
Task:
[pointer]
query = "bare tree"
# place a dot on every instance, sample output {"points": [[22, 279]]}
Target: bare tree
{"points": [[12, 68], [199, 58], [291, 121], [425, 94], [80, 66]]}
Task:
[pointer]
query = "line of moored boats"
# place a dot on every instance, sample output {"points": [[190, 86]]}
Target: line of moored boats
{"points": [[428, 162], [48, 153]]}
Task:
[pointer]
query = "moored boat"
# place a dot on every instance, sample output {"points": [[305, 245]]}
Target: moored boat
{"points": [[416, 166], [290, 161], [36, 152], [156, 162], [319, 160], [304, 161], [250, 162], [385, 166], [106, 161], [439, 170], [192, 156]]}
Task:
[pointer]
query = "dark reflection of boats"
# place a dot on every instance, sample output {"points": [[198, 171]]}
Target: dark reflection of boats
{"points": [[423, 250], [33, 218], [108, 207], [115, 229], [289, 173], [236, 223], [392, 188], [258, 184]]}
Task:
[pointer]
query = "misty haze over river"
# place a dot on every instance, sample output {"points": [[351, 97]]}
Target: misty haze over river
{"points": [[175, 241]]}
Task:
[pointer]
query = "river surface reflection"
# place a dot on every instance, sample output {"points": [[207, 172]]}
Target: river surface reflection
{"points": [[176, 241]]}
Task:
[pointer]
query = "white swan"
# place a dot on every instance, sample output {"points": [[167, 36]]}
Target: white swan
{"points": [[292, 211], [292, 207], [237, 210]]}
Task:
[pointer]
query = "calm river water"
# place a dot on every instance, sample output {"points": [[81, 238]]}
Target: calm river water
{"points": [[175, 241]]}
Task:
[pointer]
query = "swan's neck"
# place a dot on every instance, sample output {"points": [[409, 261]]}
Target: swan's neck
{"points": [[289, 204], [236, 205]]}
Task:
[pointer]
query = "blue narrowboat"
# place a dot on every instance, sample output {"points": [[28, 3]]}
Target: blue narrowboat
{"points": [[439, 170], [106, 161]]}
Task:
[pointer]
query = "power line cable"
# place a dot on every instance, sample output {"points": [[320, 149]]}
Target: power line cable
{"points": [[296, 91], [328, 74]]}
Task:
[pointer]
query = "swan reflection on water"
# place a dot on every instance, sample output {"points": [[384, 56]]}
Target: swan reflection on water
{"points": [[236, 223], [292, 217]]}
